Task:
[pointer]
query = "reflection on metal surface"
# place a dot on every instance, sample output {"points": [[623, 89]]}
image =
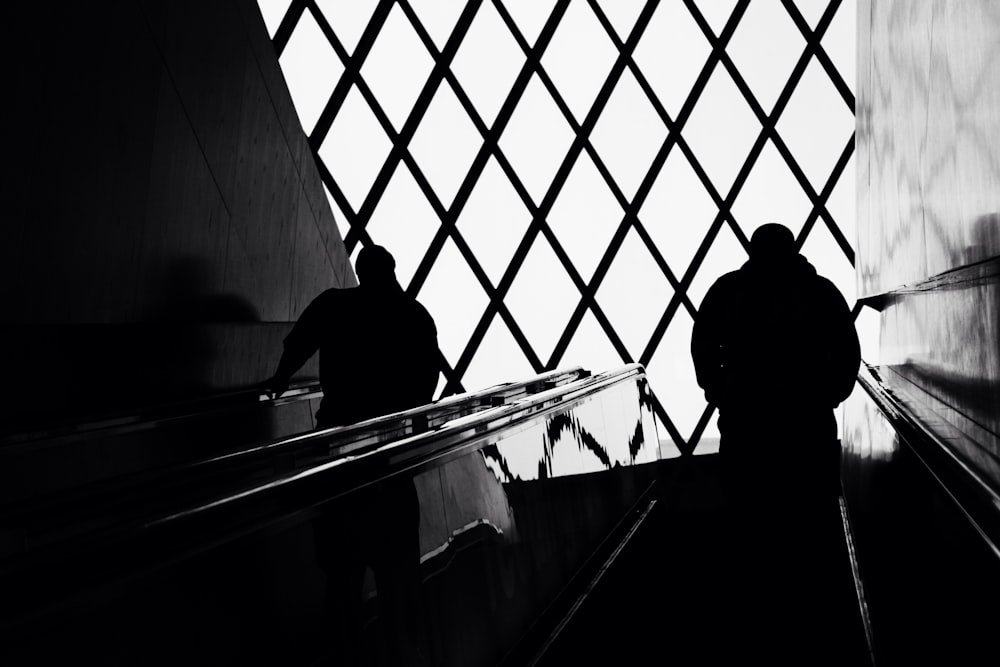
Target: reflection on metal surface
{"points": [[928, 113], [314, 555], [929, 212], [615, 429], [868, 435]]}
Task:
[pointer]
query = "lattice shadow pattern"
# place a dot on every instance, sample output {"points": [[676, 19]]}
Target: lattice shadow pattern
{"points": [[582, 126]]}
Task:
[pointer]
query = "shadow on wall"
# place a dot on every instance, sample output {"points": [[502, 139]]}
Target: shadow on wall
{"points": [[186, 340], [69, 371]]}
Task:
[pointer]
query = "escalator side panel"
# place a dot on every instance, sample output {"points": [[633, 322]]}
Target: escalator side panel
{"points": [[448, 563]]}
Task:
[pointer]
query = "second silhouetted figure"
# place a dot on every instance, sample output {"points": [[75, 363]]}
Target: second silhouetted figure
{"points": [[775, 350], [378, 346]]}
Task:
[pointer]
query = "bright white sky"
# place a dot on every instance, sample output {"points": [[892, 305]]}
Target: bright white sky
{"points": [[816, 126]]}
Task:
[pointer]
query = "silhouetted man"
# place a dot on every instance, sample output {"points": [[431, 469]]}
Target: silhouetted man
{"points": [[775, 349], [377, 346], [378, 355]]}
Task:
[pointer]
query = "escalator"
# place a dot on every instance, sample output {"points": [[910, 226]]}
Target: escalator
{"points": [[534, 522], [439, 535]]}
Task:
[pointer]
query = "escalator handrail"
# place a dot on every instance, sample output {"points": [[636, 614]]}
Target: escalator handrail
{"points": [[187, 527], [134, 420], [267, 463], [215, 405], [975, 497], [66, 507]]}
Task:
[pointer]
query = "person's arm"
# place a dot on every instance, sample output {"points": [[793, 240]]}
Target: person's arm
{"points": [[300, 344], [845, 354], [431, 368], [706, 345]]}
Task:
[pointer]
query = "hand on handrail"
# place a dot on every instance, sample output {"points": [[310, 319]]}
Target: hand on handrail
{"points": [[274, 387]]}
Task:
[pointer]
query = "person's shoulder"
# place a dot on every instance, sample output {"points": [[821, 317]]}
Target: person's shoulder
{"points": [[420, 310], [826, 286], [337, 294], [334, 298], [728, 282]]}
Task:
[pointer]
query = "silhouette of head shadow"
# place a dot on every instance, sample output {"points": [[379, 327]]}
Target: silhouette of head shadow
{"points": [[375, 266], [772, 245]]}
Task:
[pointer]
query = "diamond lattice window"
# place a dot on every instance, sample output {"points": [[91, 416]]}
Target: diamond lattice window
{"points": [[562, 181]]}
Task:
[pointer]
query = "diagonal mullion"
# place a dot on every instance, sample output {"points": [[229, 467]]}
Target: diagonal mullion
{"points": [[352, 67], [401, 140], [340, 198], [287, 25], [538, 224], [499, 124], [699, 430], [819, 210], [815, 38], [580, 144], [724, 205], [769, 122], [668, 423], [835, 176], [632, 207], [443, 66]]}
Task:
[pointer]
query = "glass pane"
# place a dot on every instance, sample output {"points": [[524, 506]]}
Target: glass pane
{"points": [[542, 298], [671, 53], [273, 11], [812, 10], [579, 58], [404, 223], [717, 13], [725, 255], [771, 194], [311, 69], [622, 14], [585, 216], [678, 212], [634, 294], [765, 48], [628, 134], [590, 348], [842, 203], [536, 139], [668, 448], [343, 225], [438, 18], [493, 221], [721, 130], [816, 124], [397, 67], [497, 359], [822, 251], [455, 299], [488, 62], [355, 148], [445, 144], [839, 41], [671, 372], [530, 16], [348, 18]]}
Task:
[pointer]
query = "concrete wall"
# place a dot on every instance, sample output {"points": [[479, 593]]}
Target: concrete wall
{"points": [[163, 219], [928, 114]]}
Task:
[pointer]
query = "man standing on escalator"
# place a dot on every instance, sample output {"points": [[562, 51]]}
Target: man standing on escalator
{"points": [[377, 346], [378, 355], [775, 349]]}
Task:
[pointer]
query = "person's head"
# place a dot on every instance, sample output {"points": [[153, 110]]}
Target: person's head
{"points": [[772, 245], [375, 266]]}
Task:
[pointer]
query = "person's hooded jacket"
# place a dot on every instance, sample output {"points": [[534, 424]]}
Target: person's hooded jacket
{"points": [[775, 337]]}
